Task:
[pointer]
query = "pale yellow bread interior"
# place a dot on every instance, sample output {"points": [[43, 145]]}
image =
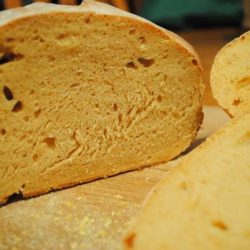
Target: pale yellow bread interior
{"points": [[204, 202], [88, 92], [230, 76]]}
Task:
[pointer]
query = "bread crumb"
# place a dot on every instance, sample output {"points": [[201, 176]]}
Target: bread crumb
{"points": [[108, 222], [118, 196]]}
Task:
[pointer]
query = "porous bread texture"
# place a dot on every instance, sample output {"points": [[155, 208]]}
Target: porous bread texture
{"points": [[87, 94], [204, 202], [230, 76]]}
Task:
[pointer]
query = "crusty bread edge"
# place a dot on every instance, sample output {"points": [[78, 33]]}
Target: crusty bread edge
{"points": [[89, 6]]}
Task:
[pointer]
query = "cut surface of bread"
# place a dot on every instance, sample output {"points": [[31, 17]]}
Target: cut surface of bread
{"points": [[90, 91], [230, 76], [204, 202]]}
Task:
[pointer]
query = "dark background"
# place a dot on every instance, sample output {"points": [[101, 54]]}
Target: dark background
{"points": [[173, 14]]}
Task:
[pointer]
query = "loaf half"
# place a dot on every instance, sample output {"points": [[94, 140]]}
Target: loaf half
{"points": [[90, 91], [230, 76], [204, 202]]}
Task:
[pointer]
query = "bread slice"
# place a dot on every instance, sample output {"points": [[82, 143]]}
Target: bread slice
{"points": [[204, 202], [90, 91], [230, 76]]}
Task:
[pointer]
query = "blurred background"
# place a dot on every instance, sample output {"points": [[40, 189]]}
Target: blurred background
{"points": [[206, 24], [175, 15]]}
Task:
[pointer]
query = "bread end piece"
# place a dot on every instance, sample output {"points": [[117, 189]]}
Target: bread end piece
{"points": [[230, 76]]}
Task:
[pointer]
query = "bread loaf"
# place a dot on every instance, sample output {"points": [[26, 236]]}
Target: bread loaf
{"points": [[230, 76], [90, 91], [204, 202]]}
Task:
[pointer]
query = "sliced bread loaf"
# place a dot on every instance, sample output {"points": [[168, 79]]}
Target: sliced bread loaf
{"points": [[230, 76], [204, 202], [90, 91]]}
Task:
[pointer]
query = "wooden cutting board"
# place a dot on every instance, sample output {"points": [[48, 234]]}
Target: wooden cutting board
{"points": [[91, 216]]}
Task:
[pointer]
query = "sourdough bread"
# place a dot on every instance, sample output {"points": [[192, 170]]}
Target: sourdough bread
{"points": [[230, 76], [204, 202], [90, 91]]}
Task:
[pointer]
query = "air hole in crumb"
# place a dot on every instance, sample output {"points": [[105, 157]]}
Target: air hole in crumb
{"points": [[129, 111], [17, 107], [243, 38], [105, 132], [51, 58], [32, 91], [166, 54], [120, 117], [3, 131], [73, 85], [129, 122], [194, 62], [22, 137], [50, 141], [87, 20], [115, 107], [243, 82], [132, 31], [131, 65], [154, 131], [62, 36], [220, 225], [146, 62], [36, 38], [236, 102], [176, 114], [15, 197], [159, 98], [10, 39], [26, 118], [9, 56], [129, 241], [97, 105], [7, 93], [164, 112], [37, 113], [142, 39], [35, 157], [139, 110]]}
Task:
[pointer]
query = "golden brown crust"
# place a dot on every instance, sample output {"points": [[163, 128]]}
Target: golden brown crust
{"points": [[91, 7]]}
